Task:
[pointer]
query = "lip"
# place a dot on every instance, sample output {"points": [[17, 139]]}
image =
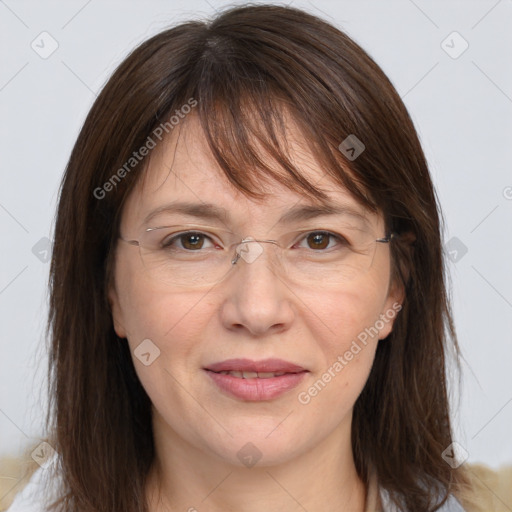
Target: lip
{"points": [[248, 365], [256, 389]]}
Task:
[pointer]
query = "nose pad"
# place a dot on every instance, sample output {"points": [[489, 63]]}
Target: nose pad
{"points": [[249, 249]]}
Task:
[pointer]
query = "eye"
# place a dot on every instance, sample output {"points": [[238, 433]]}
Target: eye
{"points": [[320, 240], [189, 241]]}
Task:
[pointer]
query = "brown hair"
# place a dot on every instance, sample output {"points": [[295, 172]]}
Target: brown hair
{"points": [[245, 69]]}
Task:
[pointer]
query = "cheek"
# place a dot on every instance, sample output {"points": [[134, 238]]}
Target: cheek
{"points": [[172, 321], [345, 326], [147, 308], [175, 324], [341, 316], [150, 312]]}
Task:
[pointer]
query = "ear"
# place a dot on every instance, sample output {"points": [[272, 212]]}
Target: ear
{"points": [[117, 314], [392, 306], [399, 276]]}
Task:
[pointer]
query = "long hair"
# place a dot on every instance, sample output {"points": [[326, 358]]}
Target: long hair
{"points": [[240, 73]]}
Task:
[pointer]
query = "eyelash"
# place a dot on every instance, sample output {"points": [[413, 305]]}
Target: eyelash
{"points": [[339, 238]]}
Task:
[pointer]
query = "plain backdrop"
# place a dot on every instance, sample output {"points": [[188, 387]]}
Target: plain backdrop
{"points": [[450, 62]]}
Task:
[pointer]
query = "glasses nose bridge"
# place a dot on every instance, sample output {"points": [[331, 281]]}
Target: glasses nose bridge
{"points": [[249, 249]]}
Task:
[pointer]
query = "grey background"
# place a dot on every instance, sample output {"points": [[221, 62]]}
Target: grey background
{"points": [[461, 106]]}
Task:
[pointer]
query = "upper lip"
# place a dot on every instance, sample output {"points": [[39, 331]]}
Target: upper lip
{"points": [[248, 365]]}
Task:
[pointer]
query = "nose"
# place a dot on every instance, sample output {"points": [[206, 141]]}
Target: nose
{"points": [[257, 300]]}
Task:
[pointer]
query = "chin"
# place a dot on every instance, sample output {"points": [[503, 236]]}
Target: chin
{"points": [[251, 448]]}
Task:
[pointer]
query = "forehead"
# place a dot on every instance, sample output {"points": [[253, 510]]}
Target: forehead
{"points": [[182, 169]]}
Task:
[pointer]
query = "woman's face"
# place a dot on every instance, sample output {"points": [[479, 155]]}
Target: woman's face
{"points": [[254, 313]]}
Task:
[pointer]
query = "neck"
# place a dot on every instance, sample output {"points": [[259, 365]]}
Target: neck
{"points": [[185, 477]]}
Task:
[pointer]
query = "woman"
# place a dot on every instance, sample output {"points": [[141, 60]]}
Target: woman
{"points": [[248, 308]]}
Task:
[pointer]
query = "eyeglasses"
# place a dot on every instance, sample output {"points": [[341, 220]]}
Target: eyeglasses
{"points": [[191, 255]]}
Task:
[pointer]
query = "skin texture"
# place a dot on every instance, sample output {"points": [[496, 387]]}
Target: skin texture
{"points": [[306, 457]]}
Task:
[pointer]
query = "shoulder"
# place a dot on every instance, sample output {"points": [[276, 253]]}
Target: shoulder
{"points": [[451, 505], [489, 491], [38, 493], [378, 500]]}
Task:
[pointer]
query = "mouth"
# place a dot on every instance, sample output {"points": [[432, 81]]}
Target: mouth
{"points": [[255, 380], [253, 375], [250, 369]]}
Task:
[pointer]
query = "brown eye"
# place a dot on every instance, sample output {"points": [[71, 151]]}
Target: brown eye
{"points": [[318, 240], [188, 241], [192, 241]]}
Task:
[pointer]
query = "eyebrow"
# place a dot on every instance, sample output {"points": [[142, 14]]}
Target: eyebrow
{"points": [[209, 211], [199, 210], [306, 212]]}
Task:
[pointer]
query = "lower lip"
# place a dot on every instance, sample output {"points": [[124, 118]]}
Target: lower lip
{"points": [[256, 389]]}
